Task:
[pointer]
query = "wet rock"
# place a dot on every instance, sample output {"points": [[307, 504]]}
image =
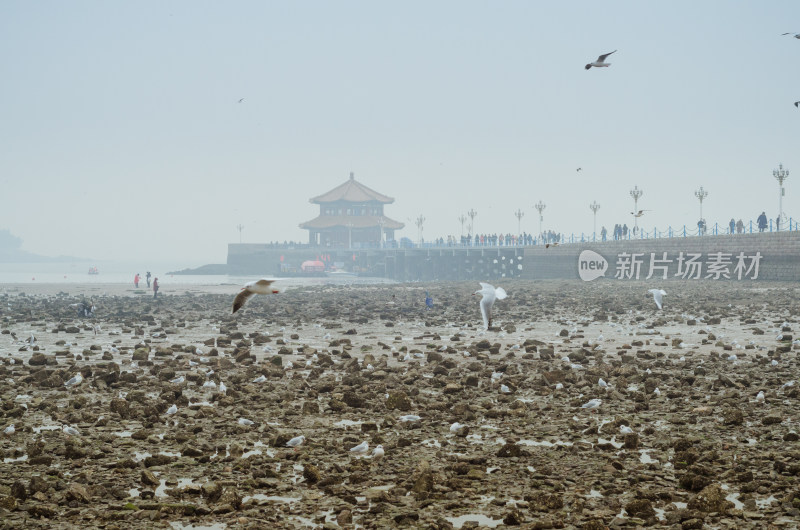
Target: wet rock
{"points": [[48, 511], [77, 492], [354, 400], [211, 491], [8, 502], [509, 450], [149, 478], [121, 407], [710, 499], [311, 474], [732, 417], [640, 508], [38, 359], [423, 484], [541, 501], [18, 490], [399, 401], [230, 496]]}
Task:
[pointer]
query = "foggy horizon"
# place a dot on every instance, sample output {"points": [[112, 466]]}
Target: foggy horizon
{"points": [[125, 137]]}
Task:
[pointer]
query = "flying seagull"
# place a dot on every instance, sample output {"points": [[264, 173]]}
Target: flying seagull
{"points": [[548, 245], [639, 213], [601, 61], [488, 296], [658, 294], [579, 169], [796, 35], [262, 286], [242, 99]]}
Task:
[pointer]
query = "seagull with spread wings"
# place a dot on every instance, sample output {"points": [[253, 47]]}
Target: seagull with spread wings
{"points": [[488, 296], [262, 286], [601, 61]]}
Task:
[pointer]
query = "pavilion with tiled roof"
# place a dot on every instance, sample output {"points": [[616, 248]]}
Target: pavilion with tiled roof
{"points": [[351, 215]]}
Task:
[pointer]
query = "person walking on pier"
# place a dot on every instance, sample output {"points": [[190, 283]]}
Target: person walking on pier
{"points": [[762, 222]]}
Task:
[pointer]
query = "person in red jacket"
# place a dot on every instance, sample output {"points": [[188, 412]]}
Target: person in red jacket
{"points": [[136, 280]]}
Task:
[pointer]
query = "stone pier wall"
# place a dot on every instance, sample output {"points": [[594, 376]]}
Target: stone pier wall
{"points": [[746, 257]]}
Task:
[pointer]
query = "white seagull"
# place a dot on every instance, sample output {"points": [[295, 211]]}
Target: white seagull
{"points": [[245, 421], [297, 441], [8, 431], [260, 379], [360, 449], [456, 427], [378, 452], [172, 410], [601, 61], [592, 404], [262, 286], [624, 429], [69, 430], [75, 380], [658, 294], [489, 295]]}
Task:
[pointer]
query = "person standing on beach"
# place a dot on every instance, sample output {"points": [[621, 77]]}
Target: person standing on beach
{"points": [[136, 280], [147, 276], [155, 288]]}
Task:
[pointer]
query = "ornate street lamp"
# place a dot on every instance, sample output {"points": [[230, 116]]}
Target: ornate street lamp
{"points": [[540, 206], [636, 193], [701, 194], [780, 175], [462, 219], [594, 207], [471, 213], [519, 214]]}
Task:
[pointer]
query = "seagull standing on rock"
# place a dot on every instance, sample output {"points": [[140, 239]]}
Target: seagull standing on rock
{"points": [[378, 452], [262, 286], [489, 294], [360, 449], [601, 61], [78, 379], [296, 442], [592, 404]]}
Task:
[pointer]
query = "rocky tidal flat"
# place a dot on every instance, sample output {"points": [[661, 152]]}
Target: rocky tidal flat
{"points": [[584, 407]]}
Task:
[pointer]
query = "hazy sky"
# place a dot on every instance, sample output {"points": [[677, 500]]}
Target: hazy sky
{"points": [[121, 135]]}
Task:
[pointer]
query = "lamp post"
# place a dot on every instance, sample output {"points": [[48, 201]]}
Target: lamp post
{"points": [[419, 220], [471, 213], [240, 227], [349, 235], [540, 206], [780, 175], [461, 219], [594, 207], [519, 214], [636, 193], [701, 194]]}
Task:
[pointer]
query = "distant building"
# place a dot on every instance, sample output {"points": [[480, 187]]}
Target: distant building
{"points": [[351, 215]]}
